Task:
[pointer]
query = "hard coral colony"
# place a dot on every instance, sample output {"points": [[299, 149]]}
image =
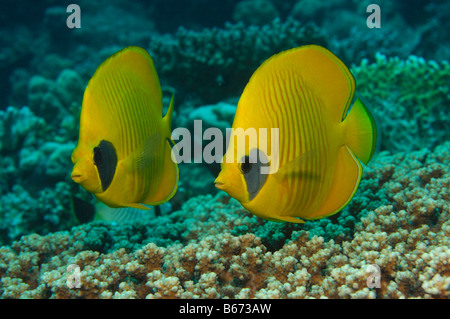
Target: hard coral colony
{"points": [[392, 240]]}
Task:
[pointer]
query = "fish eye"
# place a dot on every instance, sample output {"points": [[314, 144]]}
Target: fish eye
{"points": [[246, 166], [97, 156]]}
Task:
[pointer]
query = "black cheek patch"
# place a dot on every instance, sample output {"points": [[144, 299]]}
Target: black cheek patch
{"points": [[105, 159], [254, 178]]}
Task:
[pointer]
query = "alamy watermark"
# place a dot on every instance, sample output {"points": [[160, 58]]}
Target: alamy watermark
{"points": [[74, 19], [374, 279], [240, 143], [374, 19], [74, 279]]}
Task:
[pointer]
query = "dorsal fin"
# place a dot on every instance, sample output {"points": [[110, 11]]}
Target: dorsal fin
{"points": [[324, 73]]}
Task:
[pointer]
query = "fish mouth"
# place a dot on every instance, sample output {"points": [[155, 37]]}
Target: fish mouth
{"points": [[219, 182], [77, 178], [219, 185]]}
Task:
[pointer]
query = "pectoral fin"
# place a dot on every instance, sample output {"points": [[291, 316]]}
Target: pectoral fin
{"points": [[297, 167], [347, 175], [140, 159], [169, 181]]}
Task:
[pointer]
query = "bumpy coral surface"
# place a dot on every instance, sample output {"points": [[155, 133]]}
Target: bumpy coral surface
{"points": [[392, 241]]}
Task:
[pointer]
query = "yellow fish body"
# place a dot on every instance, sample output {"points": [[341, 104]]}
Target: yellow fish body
{"points": [[306, 93], [123, 154]]}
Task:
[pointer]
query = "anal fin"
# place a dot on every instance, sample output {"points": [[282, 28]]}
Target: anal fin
{"points": [[290, 219]]}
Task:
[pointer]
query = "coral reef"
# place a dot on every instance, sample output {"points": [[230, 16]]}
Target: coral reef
{"points": [[410, 99], [397, 227]]}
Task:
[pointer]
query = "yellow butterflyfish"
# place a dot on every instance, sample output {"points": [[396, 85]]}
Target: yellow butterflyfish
{"points": [[305, 93], [123, 155]]}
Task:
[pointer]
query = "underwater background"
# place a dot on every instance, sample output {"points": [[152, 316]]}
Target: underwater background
{"points": [[203, 244]]}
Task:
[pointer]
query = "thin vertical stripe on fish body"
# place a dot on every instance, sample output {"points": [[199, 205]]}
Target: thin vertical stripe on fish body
{"points": [[305, 93], [122, 105]]}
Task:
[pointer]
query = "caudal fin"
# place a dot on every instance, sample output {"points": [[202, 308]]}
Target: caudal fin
{"points": [[361, 132]]}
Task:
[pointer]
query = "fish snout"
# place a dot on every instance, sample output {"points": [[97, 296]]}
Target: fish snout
{"points": [[231, 183], [219, 182], [77, 176]]}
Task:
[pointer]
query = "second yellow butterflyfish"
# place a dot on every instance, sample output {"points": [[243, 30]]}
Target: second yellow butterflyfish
{"points": [[123, 154], [315, 168]]}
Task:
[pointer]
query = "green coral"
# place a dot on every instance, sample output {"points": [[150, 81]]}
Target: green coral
{"points": [[410, 99]]}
